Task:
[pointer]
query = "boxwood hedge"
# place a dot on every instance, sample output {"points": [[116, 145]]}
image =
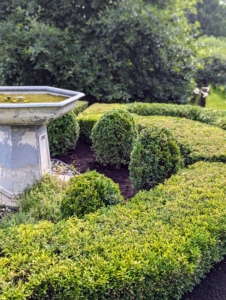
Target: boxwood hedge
{"points": [[63, 134], [196, 113], [89, 192], [113, 137], [156, 247], [80, 107], [197, 141], [155, 157], [91, 115], [204, 115]]}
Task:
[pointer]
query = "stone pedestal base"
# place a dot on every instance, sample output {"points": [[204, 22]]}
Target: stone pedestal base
{"points": [[24, 158]]}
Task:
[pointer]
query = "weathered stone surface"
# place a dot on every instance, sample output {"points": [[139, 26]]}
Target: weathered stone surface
{"points": [[24, 147], [23, 158], [36, 113]]}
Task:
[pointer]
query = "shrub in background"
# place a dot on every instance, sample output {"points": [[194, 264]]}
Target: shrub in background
{"points": [[44, 44], [15, 219], [88, 192], [155, 156], [86, 123], [80, 107], [212, 57], [113, 137], [63, 134], [206, 115], [91, 115]]}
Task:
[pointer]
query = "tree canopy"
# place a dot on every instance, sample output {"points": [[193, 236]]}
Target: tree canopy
{"points": [[113, 50], [212, 55], [211, 14]]}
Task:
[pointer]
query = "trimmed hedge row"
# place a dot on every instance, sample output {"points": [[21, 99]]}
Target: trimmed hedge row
{"points": [[80, 107], [197, 141], [156, 247], [195, 113]]}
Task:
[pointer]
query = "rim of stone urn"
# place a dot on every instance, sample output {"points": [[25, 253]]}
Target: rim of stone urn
{"points": [[73, 95]]}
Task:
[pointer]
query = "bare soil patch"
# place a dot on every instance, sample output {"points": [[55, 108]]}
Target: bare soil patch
{"points": [[83, 159]]}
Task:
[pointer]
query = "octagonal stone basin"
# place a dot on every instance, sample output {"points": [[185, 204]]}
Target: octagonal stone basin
{"points": [[24, 146], [36, 113]]}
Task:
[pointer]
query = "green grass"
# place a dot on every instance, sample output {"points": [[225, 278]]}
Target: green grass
{"points": [[216, 99]]}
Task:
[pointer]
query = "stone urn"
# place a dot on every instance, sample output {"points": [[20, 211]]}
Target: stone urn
{"points": [[24, 147]]}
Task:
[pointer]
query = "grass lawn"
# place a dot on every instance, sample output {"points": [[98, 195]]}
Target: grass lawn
{"points": [[216, 99]]}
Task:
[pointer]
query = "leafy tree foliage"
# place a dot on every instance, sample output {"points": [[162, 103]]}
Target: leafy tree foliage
{"points": [[111, 50], [213, 59], [211, 14]]}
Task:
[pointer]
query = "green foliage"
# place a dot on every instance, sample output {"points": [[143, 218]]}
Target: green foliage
{"points": [[42, 201], [211, 14], [90, 116], [195, 113], [210, 116], [211, 46], [156, 247], [17, 218], [139, 49], [113, 137], [213, 59], [155, 157], [32, 52], [87, 193], [80, 107], [197, 141], [191, 112], [63, 134], [100, 108], [86, 123]]}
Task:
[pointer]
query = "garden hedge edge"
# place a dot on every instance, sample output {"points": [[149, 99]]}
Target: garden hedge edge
{"points": [[156, 247]]}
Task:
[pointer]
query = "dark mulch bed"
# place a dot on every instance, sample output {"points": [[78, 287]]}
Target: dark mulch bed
{"points": [[83, 159], [213, 287]]}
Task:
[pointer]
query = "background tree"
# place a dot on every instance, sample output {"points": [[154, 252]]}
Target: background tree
{"points": [[211, 14], [213, 61], [111, 50]]}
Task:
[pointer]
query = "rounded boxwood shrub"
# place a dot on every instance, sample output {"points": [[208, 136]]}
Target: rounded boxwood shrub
{"points": [[63, 134], [88, 192], [155, 156], [113, 137]]}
